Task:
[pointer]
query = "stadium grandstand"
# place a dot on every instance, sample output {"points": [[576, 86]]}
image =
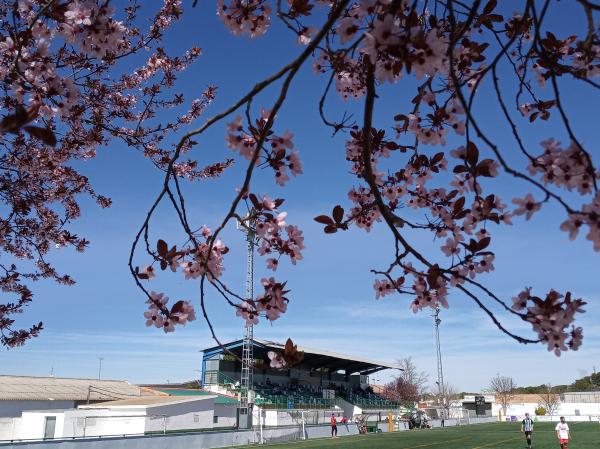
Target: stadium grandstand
{"points": [[323, 380]]}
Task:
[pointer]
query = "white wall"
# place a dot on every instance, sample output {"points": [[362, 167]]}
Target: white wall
{"points": [[9, 428], [103, 422], [32, 425], [566, 409], [196, 414], [227, 416]]}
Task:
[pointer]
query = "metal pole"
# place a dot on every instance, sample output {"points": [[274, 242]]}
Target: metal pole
{"points": [[247, 381], [260, 420], [440, 371], [100, 367], [303, 426]]}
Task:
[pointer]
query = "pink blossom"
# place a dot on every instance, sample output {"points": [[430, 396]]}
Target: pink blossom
{"points": [[383, 288], [148, 271], [527, 206], [346, 29], [277, 360], [248, 313], [520, 301], [153, 317], [272, 264]]}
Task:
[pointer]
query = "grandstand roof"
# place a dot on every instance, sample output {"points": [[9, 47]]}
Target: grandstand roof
{"points": [[313, 358], [25, 388]]}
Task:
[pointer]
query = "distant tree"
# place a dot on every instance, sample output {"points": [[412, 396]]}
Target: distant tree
{"points": [[587, 383], [504, 389], [410, 384], [540, 411], [549, 400], [447, 394]]}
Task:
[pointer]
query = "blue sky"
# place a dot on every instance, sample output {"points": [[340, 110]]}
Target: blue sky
{"points": [[332, 302]]}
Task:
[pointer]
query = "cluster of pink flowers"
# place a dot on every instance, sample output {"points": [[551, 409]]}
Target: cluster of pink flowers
{"points": [[433, 129], [450, 215], [160, 316], [274, 234], [349, 74], [384, 287], [276, 360], [204, 260], [282, 157], [93, 29], [431, 294], [251, 17], [564, 167], [568, 168], [62, 101], [590, 216], [551, 318], [271, 304]]}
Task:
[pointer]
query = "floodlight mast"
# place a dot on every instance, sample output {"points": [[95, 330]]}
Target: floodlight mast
{"points": [[440, 371], [246, 225]]}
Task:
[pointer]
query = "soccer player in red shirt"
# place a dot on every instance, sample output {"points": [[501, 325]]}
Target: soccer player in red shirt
{"points": [[333, 426]]}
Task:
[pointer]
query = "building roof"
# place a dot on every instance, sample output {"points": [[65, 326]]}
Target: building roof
{"points": [[313, 358], [147, 401], [219, 399], [29, 388]]}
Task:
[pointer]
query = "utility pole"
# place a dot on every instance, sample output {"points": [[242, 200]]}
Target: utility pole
{"points": [[100, 367], [247, 380], [440, 371]]}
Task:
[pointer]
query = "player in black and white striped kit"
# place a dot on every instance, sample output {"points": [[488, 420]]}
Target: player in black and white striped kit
{"points": [[527, 429]]}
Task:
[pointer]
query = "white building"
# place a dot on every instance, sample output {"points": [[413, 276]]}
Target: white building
{"points": [[573, 405], [136, 416], [22, 393]]}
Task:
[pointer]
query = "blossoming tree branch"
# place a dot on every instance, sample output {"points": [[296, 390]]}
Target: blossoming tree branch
{"points": [[64, 96]]}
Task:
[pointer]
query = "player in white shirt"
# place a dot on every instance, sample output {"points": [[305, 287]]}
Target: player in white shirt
{"points": [[562, 433]]}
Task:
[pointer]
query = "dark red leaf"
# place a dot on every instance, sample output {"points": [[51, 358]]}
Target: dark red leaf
{"points": [[46, 135], [489, 7], [338, 214], [483, 243], [324, 219], [177, 307], [162, 248], [330, 229]]}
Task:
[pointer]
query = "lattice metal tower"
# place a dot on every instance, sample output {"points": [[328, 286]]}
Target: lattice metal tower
{"points": [[247, 380], [440, 371]]}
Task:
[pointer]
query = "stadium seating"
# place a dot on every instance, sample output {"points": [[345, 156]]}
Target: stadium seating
{"points": [[274, 396], [291, 397], [368, 400]]}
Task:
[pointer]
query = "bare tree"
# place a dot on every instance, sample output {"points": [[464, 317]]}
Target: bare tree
{"points": [[412, 375], [504, 389], [549, 399], [409, 385], [447, 394]]}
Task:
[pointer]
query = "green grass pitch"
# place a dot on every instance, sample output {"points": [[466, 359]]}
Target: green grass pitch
{"points": [[479, 436]]}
